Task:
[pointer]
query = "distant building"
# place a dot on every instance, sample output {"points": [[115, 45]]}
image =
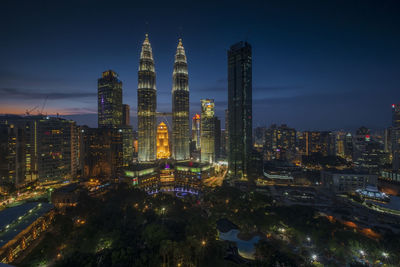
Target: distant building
{"points": [[348, 146], [340, 144], [318, 142], [368, 153], [387, 140], [109, 100], [125, 115], [347, 181], [259, 137], [240, 110], [163, 150], [207, 132], [280, 142]]}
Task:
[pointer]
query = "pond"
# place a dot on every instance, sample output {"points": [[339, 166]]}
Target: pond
{"points": [[246, 248]]}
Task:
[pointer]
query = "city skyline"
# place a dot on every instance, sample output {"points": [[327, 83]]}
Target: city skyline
{"points": [[297, 72], [217, 133]]}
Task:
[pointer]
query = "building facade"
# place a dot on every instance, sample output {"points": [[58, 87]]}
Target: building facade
{"points": [[239, 109]]}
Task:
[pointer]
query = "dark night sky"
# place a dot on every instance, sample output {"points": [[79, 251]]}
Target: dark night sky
{"points": [[316, 64]]}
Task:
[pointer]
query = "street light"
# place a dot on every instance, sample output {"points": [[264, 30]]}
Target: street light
{"points": [[385, 254], [308, 239], [203, 243], [314, 257], [362, 252]]}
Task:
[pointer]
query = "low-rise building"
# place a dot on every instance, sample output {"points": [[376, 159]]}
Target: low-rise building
{"points": [[347, 180], [66, 196]]}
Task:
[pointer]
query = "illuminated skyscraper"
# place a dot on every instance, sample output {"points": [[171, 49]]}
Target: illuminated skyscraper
{"points": [[109, 96], [207, 131], [196, 130], [163, 151], [239, 109], [180, 106], [147, 104]]}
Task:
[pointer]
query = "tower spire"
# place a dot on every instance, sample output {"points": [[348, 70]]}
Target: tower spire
{"points": [[147, 103]]}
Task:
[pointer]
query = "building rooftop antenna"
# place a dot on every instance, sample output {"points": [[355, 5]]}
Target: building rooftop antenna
{"points": [[180, 32], [146, 27]]}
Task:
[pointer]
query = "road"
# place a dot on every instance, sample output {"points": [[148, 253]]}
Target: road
{"points": [[215, 181]]}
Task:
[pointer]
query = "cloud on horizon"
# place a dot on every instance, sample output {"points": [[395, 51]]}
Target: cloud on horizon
{"points": [[13, 93]]}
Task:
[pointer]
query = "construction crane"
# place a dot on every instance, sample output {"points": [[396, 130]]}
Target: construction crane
{"points": [[28, 111], [44, 104], [40, 112]]}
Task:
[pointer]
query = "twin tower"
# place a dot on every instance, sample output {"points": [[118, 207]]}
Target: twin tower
{"points": [[147, 105]]}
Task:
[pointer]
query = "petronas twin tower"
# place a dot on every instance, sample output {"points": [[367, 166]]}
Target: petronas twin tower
{"points": [[147, 105]]}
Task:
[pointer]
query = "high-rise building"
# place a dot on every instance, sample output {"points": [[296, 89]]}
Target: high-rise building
{"points": [[240, 109], [361, 139], [29, 126], [180, 106], [207, 132], [196, 130], [58, 149], [125, 115], [349, 146], [163, 151], [147, 104], [109, 97]]}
